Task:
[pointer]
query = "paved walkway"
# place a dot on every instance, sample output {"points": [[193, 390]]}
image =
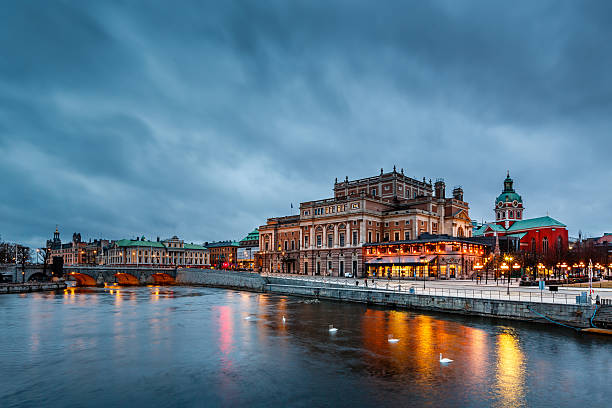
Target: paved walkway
{"points": [[462, 288]]}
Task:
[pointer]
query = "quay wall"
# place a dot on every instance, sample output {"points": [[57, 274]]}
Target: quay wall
{"points": [[31, 287], [221, 279], [571, 315]]}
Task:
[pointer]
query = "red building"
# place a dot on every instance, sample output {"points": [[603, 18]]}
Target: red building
{"points": [[540, 235]]}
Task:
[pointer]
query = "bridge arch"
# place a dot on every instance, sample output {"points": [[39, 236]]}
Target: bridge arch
{"points": [[82, 279], [38, 277], [123, 278], [162, 278]]}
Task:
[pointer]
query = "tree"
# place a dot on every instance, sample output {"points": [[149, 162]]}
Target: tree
{"points": [[23, 255]]}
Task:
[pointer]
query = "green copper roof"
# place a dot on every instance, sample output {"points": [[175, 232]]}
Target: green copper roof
{"points": [[193, 246], [483, 228], [539, 222], [132, 243], [152, 244], [508, 197], [508, 194], [252, 236], [222, 244]]}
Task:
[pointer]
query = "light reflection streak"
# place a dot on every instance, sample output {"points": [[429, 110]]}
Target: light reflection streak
{"points": [[510, 370]]}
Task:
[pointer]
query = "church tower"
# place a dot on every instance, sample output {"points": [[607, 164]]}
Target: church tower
{"points": [[508, 205]]}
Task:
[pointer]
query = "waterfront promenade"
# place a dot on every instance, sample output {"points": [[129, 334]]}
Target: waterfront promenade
{"points": [[458, 288]]}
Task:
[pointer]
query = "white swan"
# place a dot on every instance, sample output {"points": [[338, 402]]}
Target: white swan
{"points": [[283, 319], [248, 318], [445, 360], [390, 339], [332, 329]]}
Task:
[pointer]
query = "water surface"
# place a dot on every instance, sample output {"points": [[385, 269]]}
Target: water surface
{"points": [[183, 346]]}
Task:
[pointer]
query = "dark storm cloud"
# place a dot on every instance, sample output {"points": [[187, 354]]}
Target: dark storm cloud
{"points": [[203, 119]]}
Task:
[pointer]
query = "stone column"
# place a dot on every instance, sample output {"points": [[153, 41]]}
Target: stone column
{"points": [[336, 236]]}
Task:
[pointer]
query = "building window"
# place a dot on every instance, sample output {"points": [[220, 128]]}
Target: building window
{"points": [[329, 267], [378, 237], [510, 214], [354, 238], [545, 245], [292, 244], [369, 236], [559, 244], [407, 235], [386, 237], [305, 242], [330, 240], [533, 244], [396, 236], [374, 192], [386, 223], [286, 245], [305, 268], [318, 241], [342, 239]]}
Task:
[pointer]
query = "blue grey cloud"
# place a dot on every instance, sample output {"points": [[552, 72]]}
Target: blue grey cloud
{"points": [[202, 119]]}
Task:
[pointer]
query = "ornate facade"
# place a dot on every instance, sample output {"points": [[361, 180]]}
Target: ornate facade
{"points": [[172, 252], [327, 236]]}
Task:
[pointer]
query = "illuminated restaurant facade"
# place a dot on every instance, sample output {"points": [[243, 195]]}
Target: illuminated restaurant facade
{"points": [[430, 256]]}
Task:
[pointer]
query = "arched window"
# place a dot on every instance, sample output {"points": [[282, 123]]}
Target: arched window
{"points": [[545, 245], [460, 232], [511, 214], [533, 245], [559, 244]]}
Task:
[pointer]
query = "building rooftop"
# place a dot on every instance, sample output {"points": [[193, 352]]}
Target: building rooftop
{"points": [[252, 236], [539, 222]]}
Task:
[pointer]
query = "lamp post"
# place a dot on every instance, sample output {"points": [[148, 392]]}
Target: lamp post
{"points": [[508, 259]]}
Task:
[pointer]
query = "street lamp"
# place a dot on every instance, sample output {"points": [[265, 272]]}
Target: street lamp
{"points": [[508, 259]]}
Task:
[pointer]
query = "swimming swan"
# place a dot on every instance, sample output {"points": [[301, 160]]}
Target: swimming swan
{"points": [[332, 329], [445, 360], [391, 339]]}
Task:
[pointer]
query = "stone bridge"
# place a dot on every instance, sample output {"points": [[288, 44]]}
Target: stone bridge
{"points": [[30, 273], [93, 275], [98, 275]]}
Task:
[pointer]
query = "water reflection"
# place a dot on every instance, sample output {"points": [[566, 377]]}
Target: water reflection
{"points": [[510, 370], [192, 346]]}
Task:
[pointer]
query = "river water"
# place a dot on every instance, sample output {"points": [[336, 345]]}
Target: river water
{"points": [[186, 346]]}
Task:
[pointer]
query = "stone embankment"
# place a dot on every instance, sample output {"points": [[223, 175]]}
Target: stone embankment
{"points": [[30, 287], [574, 315]]}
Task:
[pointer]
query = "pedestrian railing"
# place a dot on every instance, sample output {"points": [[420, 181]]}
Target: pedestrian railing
{"points": [[415, 288]]}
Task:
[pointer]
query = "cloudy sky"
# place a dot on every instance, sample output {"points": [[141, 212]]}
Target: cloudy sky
{"points": [[202, 119]]}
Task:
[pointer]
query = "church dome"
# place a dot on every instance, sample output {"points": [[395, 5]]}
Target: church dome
{"points": [[508, 195], [508, 198]]}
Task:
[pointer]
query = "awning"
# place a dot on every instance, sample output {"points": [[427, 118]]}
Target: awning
{"points": [[413, 260]]}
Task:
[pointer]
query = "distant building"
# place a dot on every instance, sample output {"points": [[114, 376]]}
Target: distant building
{"points": [[247, 249], [541, 235], [328, 235], [223, 254], [172, 252], [75, 252]]}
